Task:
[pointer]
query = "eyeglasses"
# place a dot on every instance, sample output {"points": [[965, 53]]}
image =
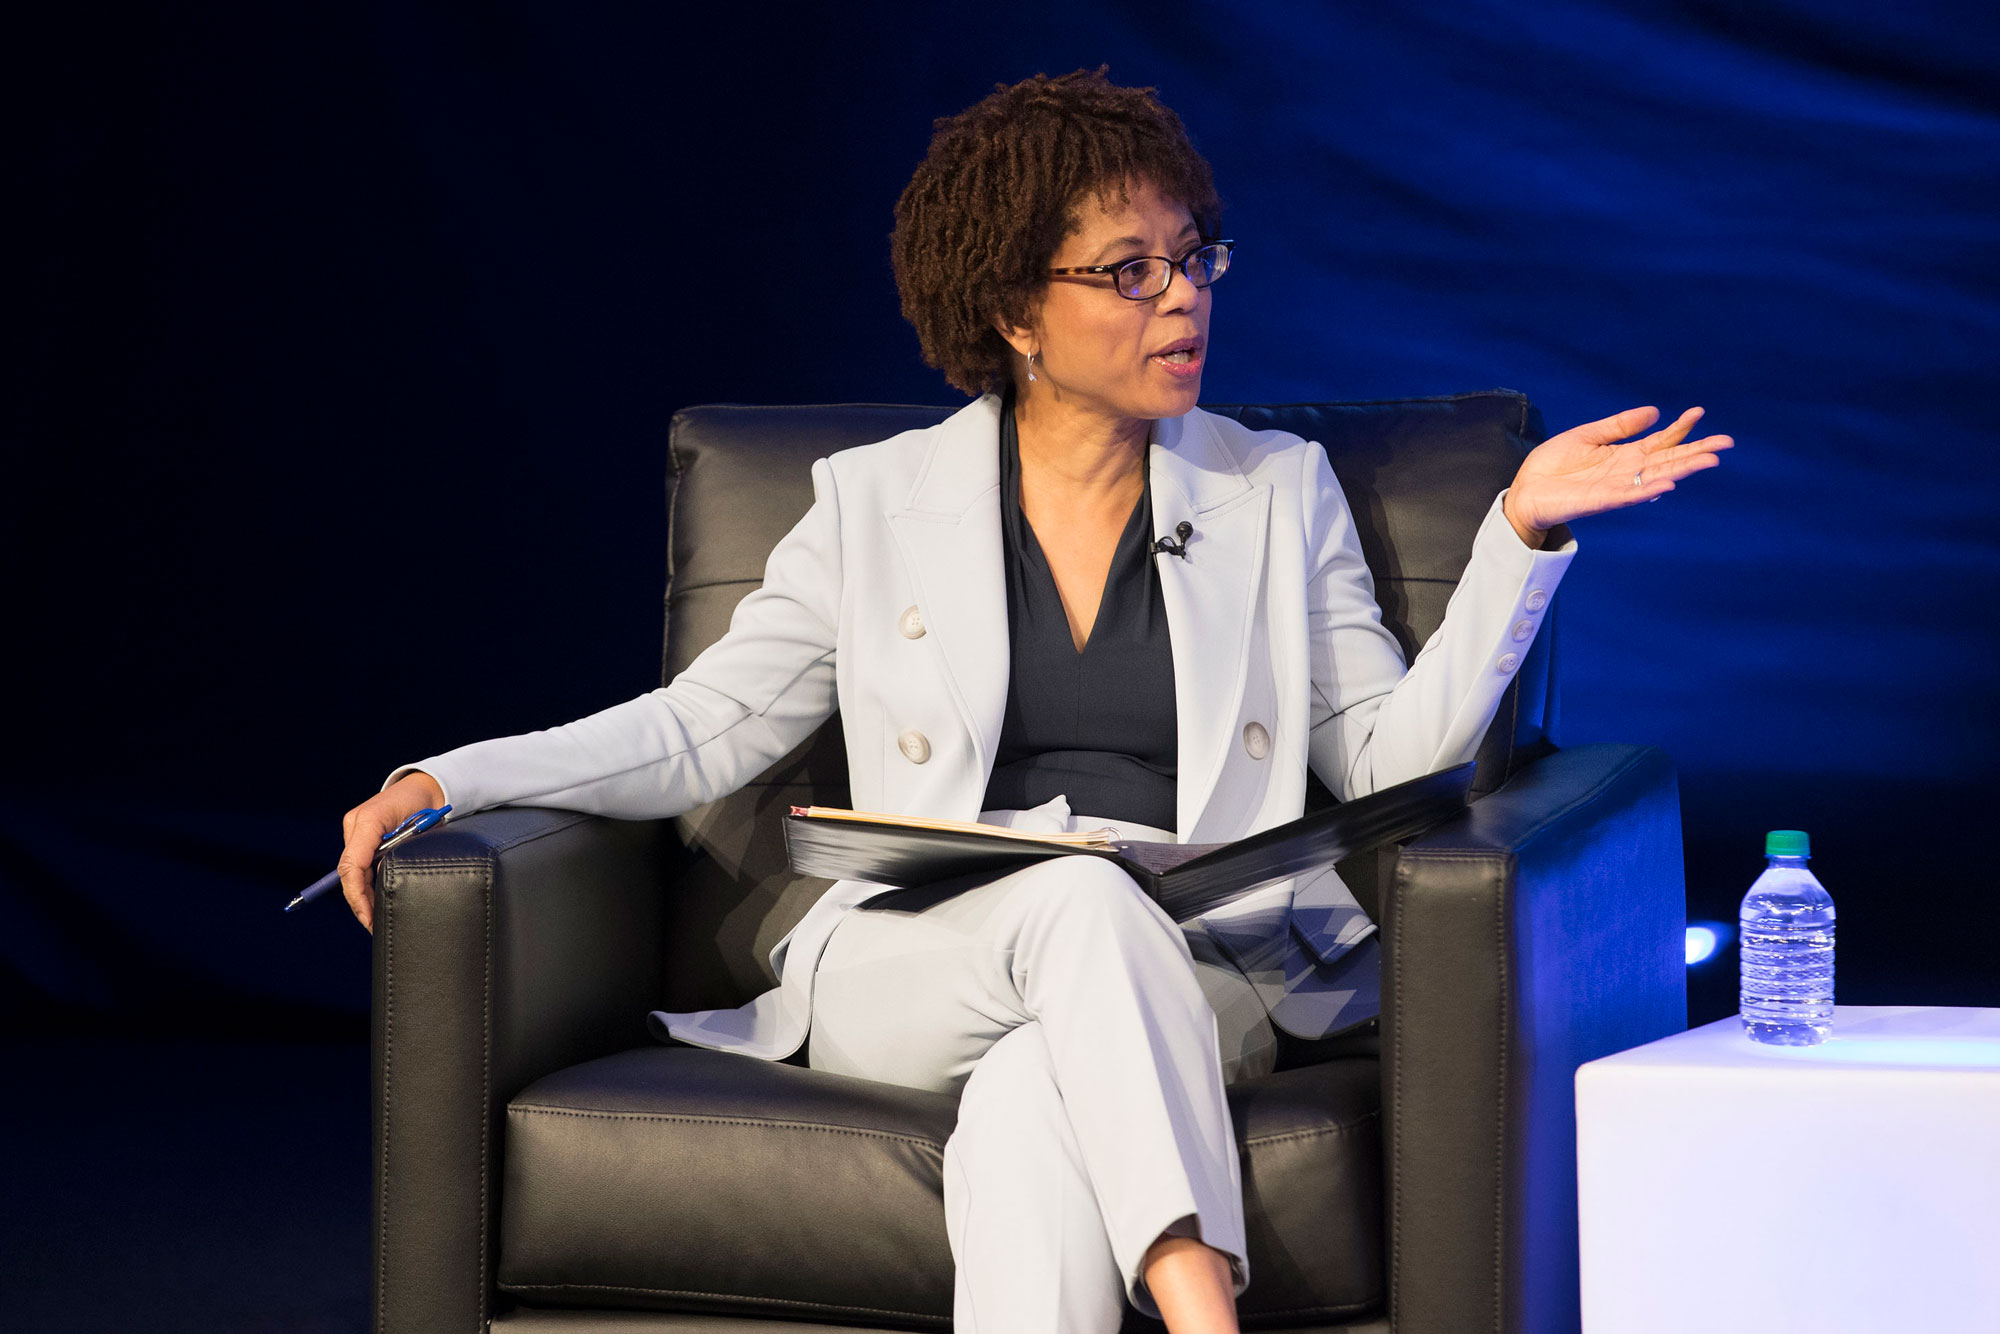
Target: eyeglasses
{"points": [[1144, 278]]}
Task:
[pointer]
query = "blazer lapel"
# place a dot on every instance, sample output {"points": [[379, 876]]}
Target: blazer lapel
{"points": [[949, 535], [1210, 597], [950, 538]]}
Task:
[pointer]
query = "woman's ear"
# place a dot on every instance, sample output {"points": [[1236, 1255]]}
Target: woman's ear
{"points": [[1023, 341]]}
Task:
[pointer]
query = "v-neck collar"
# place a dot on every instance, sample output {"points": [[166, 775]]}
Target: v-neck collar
{"points": [[1132, 540], [949, 532]]}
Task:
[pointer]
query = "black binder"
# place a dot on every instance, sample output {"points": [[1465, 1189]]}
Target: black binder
{"points": [[1186, 879]]}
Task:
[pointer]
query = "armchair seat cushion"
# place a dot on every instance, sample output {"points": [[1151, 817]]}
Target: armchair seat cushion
{"points": [[675, 1178]]}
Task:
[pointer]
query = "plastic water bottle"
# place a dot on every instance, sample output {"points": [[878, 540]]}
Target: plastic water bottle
{"points": [[1786, 932]]}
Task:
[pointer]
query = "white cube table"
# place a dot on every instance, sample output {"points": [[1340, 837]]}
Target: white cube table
{"points": [[1724, 1185]]}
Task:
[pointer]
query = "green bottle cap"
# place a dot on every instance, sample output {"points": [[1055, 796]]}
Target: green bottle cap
{"points": [[1787, 843]]}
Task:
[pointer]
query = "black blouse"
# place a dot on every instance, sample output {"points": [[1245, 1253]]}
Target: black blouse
{"points": [[1097, 726]]}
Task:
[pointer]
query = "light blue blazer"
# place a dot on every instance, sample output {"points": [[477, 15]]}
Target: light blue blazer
{"points": [[1281, 663]]}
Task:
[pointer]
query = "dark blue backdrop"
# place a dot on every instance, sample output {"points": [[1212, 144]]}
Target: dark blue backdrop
{"points": [[345, 338]]}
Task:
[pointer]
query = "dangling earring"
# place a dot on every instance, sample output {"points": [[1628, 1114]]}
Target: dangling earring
{"points": [[1031, 368]]}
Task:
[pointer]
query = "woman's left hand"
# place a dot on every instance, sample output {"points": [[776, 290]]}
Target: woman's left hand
{"points": [[1586, 470]]}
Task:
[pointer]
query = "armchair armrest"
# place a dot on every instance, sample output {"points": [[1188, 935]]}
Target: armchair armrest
{"points": [[507, 945], [1541, 929]]}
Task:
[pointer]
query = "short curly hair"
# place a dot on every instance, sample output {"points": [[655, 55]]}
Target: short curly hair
{"points": [[1000, 189]]}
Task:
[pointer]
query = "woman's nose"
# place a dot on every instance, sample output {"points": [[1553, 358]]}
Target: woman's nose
{"points": [[1181, 293]]}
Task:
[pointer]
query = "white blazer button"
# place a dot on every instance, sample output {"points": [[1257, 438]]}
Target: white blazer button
{"points": [[1508, 662], [1522, 629], [911, 623], [1537, 600], [916, 747], [1257, 741]]}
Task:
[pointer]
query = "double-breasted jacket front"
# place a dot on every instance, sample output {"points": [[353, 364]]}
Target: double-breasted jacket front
{"points": [[888, 601]]}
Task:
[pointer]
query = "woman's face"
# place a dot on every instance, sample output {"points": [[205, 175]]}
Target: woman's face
{"points": [[1096, 350]]}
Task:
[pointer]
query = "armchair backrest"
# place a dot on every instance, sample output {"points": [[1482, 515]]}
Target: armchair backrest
{"points": [[1419, 475]]}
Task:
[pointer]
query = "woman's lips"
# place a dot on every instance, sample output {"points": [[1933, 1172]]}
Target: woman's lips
{"points": [[1183, 363]]}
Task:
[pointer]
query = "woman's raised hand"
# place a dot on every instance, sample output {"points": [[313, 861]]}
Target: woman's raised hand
{"points": [[1592, 468], [363, 828]]}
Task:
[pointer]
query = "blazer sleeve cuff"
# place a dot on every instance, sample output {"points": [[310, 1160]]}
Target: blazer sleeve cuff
{"points": [[440, 773], [1499, 545]]}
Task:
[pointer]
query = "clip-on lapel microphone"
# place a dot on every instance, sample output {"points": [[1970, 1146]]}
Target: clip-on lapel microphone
{"points": [[1169, 546]]}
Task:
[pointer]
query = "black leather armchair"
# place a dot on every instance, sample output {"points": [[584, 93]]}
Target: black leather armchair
{"points": [[541, 1165]]}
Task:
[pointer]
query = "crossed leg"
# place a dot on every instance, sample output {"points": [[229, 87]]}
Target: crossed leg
{"points": [[1023, 1221], [1098, 1136]]}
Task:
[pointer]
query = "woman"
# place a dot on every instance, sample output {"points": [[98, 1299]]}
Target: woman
{"points": [[985, 603]]}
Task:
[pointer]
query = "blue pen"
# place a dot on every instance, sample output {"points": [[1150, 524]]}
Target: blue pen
{"points": [[410, 828]]}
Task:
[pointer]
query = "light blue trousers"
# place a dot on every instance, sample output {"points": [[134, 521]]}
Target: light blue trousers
{"points": [[1068, 1011]]}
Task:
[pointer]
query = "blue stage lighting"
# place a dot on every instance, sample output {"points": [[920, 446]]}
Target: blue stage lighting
{"points": [[1703, 939]]}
